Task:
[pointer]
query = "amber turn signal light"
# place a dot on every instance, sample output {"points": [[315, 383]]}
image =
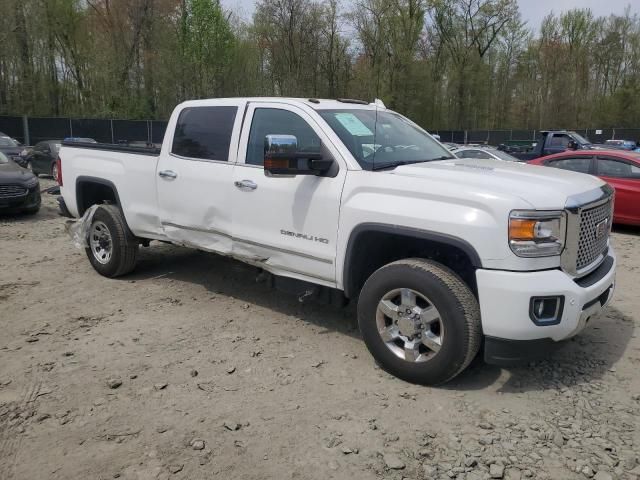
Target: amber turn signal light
{"points": [[522, 229]]}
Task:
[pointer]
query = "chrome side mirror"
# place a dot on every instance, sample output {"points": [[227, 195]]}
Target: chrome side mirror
{"points": [[282, 158]]}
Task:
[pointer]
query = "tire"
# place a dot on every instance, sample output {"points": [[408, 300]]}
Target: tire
{"points": [[456, 332], [108, 226], [54, 170]]}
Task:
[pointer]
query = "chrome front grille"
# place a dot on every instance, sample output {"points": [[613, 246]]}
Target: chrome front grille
{"points": [[588, 220], [593, 238], [12, 191]]}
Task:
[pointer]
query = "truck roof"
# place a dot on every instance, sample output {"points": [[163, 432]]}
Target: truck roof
{"points": [[315, 103]]}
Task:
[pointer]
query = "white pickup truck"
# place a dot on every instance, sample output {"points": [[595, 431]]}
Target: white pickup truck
{"points": [[441, 254]]}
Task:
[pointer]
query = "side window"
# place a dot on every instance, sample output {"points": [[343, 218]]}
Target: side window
{"points": [[559, 141], [582, 165], [273, 121], [615, 168], [204, 132]]}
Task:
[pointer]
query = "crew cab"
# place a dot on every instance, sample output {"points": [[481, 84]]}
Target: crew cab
{"points": [[350, 200], [550, 142]]}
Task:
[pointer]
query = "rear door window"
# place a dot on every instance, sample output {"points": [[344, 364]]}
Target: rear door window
{"points": [[579, 164], [609, 167], [204, 133]]}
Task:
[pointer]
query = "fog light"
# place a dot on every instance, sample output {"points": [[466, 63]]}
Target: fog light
{"points": [[546, 310]]}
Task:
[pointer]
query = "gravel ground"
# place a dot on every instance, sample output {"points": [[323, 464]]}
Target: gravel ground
{"points": [[189, 368]]}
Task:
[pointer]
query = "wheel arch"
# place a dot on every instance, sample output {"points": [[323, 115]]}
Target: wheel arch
{"points": [[368, 249], [95, 190]]}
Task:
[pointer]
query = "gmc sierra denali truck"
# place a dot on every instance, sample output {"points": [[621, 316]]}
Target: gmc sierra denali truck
{"points": [[340, 196]]}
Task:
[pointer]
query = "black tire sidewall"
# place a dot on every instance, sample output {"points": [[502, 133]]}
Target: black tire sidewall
{"points": [[453, 352], [110, 268]]}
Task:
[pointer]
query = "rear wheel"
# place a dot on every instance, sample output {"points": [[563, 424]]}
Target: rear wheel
{"points": [[112, 248], [420, 321], [54, 170]]}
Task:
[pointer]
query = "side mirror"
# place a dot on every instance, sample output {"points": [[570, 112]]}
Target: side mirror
{"points": [[281, 157]]}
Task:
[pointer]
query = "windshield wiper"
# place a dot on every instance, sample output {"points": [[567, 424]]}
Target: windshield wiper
{"points": [[385, 166]]}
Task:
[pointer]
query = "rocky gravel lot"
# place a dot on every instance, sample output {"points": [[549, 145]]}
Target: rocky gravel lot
{"points": [[190, 368]]}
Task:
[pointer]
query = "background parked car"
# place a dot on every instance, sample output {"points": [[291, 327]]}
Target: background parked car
{"points": [[619, 168], [19, 188], [12, 149], [483, 153], [42, 158], [629, 145]]}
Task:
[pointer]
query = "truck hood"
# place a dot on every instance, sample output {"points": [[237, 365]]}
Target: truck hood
{"points": [[541, 187]]}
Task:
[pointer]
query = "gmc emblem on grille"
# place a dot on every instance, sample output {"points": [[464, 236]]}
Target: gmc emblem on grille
{"points": [[601, 228]]}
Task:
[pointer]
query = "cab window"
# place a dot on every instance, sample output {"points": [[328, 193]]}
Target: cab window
{"points": [[559, 141], [273, 121], [204, 133]]}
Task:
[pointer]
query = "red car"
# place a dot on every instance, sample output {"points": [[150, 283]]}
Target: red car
{"points": [[618, 168]]}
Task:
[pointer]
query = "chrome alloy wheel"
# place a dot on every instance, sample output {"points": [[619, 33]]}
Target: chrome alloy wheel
{"points": [[410, 325], [100, 242]]}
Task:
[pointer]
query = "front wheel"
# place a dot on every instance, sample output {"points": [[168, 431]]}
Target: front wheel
{"points": [[420, 321], [112, 248]]}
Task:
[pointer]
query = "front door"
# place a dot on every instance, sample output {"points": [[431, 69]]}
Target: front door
{"points": [[288, 225], [195, 175]]}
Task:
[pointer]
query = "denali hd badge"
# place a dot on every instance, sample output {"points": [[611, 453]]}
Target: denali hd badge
{"points": [[304, 236], [601, 228]]}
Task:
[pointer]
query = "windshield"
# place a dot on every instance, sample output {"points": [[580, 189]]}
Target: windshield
{"points": [[581, 140], [392, 141], [3, 158], [7, 142]]}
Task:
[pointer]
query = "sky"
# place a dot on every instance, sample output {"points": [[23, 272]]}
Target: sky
{"points": [[533, 11]]}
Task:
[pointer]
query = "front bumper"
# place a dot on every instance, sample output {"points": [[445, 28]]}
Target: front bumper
{"points": [[29, 201], [505, 299]]}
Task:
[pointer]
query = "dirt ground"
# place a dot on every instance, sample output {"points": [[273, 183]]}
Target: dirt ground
{"points": [[190, 369]]}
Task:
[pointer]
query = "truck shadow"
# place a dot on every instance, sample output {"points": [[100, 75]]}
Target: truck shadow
{"points": [[585, 358], [234, 279]]}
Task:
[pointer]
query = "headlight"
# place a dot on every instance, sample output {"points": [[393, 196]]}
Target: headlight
{"points": [[32, 182], [536, 234]]}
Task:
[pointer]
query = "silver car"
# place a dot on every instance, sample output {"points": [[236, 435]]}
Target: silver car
{"points": [[483, 153]]}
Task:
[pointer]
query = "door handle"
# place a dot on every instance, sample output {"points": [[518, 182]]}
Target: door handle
{"points": [[246, 185], [168, 174]]}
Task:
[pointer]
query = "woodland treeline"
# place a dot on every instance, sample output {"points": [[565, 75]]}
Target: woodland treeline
{"points": [[444, 63]]}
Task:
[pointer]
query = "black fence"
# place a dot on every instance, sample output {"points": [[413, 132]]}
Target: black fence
{"points": [[31, 130]]}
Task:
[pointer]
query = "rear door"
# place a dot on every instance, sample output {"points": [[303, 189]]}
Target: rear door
{"points": [[195, 174], [624, 176], [288, 225]]}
